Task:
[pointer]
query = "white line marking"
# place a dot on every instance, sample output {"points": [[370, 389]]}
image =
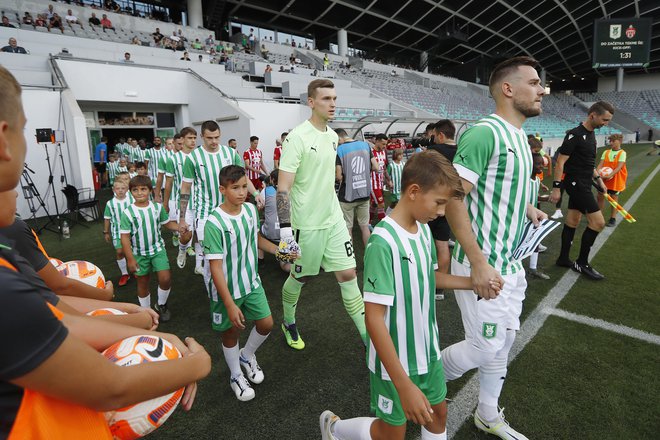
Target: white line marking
{"points": [[467, 398], [599, 323]]}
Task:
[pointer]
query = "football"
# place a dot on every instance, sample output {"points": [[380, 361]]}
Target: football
{"points": [[138, 420], [605, 172], [54, 261], [105, 311], [84, 272]]}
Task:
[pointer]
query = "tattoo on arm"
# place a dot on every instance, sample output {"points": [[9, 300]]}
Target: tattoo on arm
{"points": [[283, 207], [183, 205]]}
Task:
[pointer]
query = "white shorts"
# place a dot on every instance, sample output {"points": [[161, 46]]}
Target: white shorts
{"points": [[174, 211], [486, 321]]}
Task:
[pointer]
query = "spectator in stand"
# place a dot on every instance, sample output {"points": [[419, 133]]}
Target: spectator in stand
{"points": [[27, 19], [13, 47], [197, 45], [56, 22], [200, 58], [326, 62], [70, 18], [6, 23], [175, 37], [94, 20], [210, 41], [111, 5], [49, 12], [185, 57], [293, 42], [106, 23], [264, 51], [157, 36], [179, 45], [127, 58], [40, 21], [268, 69], [136, 41], [181, 37]]}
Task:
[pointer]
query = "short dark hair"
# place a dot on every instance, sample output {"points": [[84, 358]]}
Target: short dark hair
{"points": [[209, 126], [274, 176], [140, 181], [319, 84], [140, 165], [341, 133], [535, 157], [429, 127], [381, 137], [534, 143], [254, 138], [177, 136], [428, 169], [506, 67], [185, 131], [104, 139], [231, 140], [600, 107], [286, 133], [231, 174], [446, 127]]}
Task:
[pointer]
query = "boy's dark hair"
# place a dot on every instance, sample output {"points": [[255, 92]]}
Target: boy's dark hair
{"points": [[341, 133], [428, 169], [139, 165], [254, 138], [446, 127], [185, 131], [534, 143], [140, 181], [274, 175], [506, 67], [209, 126], [231, 174], [177, 136], [536, 156], [397, 152], [600, 107], [381, 137]]}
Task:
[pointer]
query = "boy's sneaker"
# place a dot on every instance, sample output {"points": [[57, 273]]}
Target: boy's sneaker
{"points": [[175, 241], [292, 336], [181, 259], [499, 427], [190, 251], [252, 369], [199, 270], [611, 222], [327, 419], [123, 280], [242, 388], [539, 274], [164, 314], [557, 215], [439, 295]]}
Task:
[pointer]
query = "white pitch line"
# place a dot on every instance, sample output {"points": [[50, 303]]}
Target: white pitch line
{"points": [[463, 404], [599, 323]]}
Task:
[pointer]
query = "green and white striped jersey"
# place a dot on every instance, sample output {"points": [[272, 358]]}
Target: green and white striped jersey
{"points": [[113, 210], [495, 157], [154, 157], [143, 225], [174, 169], [233, 239], [395, 170], [162, 161], [202, 169], [399, 272], [113, 169], [534, 186], [136, 154]]}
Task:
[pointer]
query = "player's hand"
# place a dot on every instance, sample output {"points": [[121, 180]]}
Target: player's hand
{"points": [[195, 349], [157, 197], [152, 314], [185, 237], [535, 215], [166, 207], [554, 195], [483, 278], [288, 250], [107, 238], [132, 265], [543, 187], [261, 202], [183, 226], [236, 317], [416, 406], [603, 188]]}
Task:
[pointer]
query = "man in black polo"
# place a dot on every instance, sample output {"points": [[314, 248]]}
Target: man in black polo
{"points": [[442, 133], [577, 158]]}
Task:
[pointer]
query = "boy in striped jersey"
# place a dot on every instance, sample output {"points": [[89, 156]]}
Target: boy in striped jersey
{"points": [[135, 153], [143, 244], [495, 163], [113, 167], [168, 150], [403, 354], [231, 241], [394, 173], [112, 219], [535, 186], [202, 168]]}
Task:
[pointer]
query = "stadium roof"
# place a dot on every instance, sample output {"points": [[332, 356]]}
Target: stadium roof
{"points": [[455, 32]]}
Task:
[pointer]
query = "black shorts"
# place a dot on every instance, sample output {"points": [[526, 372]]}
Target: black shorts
{"points": [[581, 198], [440, 229], [100, 167], [612, 192]]}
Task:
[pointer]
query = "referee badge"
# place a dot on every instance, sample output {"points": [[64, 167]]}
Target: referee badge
{"points": [[489, 330]]}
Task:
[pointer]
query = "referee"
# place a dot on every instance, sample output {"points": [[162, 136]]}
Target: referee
{"points": [[577, 159]]}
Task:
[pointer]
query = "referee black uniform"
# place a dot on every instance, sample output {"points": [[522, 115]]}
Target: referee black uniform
{"points": [[440, 227]]}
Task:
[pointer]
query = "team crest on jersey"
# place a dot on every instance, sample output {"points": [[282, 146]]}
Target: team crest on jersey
{"points": [[334, 145], [297, 268], [630, 32], [217, 318], [489, 330], [615, 31], [385, 404]]}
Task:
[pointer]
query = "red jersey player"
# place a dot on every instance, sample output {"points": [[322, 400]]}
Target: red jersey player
{"points": [[254, 164]]}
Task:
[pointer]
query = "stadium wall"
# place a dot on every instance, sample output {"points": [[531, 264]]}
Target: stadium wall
{"points": [[636, 82]]}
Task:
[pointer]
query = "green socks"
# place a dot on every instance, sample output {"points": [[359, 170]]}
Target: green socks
{"points": [[290, 294], [354, 305]]}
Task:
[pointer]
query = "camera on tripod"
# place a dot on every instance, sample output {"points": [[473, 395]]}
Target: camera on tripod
{"points": [[48, 135]]}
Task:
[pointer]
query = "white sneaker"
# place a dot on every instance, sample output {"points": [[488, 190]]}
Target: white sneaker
{"points": [[499, 427], [327, 419], [181, 259], [542, 248], [199, 270], [557, 215], [252, 369], [242, 388]]}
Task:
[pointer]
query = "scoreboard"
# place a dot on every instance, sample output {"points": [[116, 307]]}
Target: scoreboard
{"points": [[622, 42]]}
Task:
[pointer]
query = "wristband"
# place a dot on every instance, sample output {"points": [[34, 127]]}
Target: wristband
{"points": [[556, 183], [106, 232], [256, 194]]}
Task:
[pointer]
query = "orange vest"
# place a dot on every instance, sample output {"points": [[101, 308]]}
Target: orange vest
{"points": [[44, 417], [618, 181]]}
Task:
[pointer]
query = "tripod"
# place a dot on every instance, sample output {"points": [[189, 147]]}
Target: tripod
{"points": [[30, 193]]}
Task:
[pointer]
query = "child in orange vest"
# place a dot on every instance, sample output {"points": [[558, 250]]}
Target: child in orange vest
{"points": [[615, 159]]}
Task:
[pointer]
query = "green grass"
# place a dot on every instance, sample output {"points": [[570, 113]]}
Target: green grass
{"points": [[554, 387]]}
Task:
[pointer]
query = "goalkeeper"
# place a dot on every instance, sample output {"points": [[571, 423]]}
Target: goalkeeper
{"points": [[311, 220]]}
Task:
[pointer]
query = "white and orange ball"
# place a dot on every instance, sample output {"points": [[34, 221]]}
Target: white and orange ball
{"points": [[605, 172], [105, 311], [138, 420], [55, 261], [84, 272]]}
